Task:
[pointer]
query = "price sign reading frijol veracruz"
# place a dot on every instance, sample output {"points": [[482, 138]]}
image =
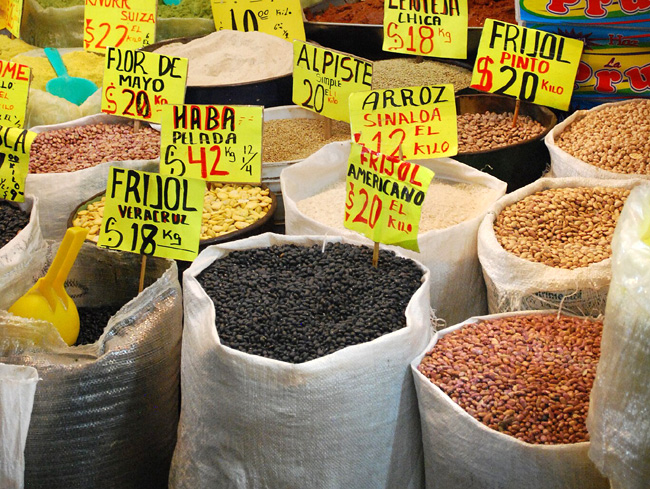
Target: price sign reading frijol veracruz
{"points": [[11, 15], [137, 84], [528, 64], [426, 28], [152, 214], [418, 121], [278, 18], [128, 24], [212, 142], [384, 197], [323, 79], [15, 144], [14, 90]]}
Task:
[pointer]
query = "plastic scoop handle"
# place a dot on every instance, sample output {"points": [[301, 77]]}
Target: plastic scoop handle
{"points": [[56, 61]]}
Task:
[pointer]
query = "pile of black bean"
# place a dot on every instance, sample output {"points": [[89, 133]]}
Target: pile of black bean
{"points": [[92, 322], [12, 221], [295, 304]]}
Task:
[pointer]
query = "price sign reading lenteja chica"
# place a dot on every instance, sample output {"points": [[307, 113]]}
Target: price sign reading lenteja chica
{"points": [[278, 18], [152, 214], [212, 142], [419, 121], [129, 24], [426, 28], [137, 84], [15, 145], [528, 64], [384, 197], [323, 79], [14, 89]]}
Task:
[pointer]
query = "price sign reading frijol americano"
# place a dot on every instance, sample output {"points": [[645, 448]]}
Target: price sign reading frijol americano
{"points": [[384, 197], [282, 19], [528, 64], [129, 24], [419, 121], [14, 90], [15, 145]]}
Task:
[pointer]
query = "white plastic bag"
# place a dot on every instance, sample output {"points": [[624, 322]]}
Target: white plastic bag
{"points": [[27, 241]]}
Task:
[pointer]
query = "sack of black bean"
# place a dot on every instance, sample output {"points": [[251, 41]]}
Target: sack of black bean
{"points": [[20, 232], [295, 366]]}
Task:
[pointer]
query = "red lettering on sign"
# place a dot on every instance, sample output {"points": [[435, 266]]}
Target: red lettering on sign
{"points": [[606, 81], [639, 77]]}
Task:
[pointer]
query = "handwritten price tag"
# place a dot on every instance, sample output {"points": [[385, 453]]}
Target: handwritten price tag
{"points": [[11, 15], [426, 28], [281, 19], [14, 90], [152, 214], [529, 64], [15, 145], [127, 24], [137, 84]]}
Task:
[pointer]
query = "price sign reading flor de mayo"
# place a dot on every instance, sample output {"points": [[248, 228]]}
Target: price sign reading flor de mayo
{"points": [[152, 214], [14, 89], [212, 142], [529, 64], [384, 197], [129, 24], [15, 145], [420, 120], [323, 79], [426, 28], [137, 84], [11, 15], [281, 18]]}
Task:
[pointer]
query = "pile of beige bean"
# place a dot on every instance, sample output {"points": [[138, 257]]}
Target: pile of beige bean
{"points": [[562, 227], [616, 138], [79, 147], [526, 376], [489, 130], [296, 139]]}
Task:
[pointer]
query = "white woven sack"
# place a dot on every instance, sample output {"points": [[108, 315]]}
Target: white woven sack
{"points": [[565, 165], [27, 241], [516, 284], [61, 193], [457, 288], [461, 452], [345, 420]]}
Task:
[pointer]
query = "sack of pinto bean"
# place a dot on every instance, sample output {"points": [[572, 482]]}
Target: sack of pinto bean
{"points": [[548, 245], [105, 412], [609, 141], [458, 198], [619, 416], [69, 163], [20, 232], [295, 367], [503, 401]]}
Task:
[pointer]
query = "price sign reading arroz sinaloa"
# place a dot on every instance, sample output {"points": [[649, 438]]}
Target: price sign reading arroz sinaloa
{"points": [[128, 24], [15, 145], [278, 18]]}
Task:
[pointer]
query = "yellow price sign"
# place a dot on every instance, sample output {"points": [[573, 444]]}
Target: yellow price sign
{"points": [[426, 28], [528, 64], [15, 145], [14, 90], [384, 197], [11, 15], [138, 84], [323, 79], [421, 121], [128, 24], [281, 19], [152, 214], [217, 143]]}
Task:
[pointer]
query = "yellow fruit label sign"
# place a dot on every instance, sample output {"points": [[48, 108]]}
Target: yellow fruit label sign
{"points": [[15, 145], [14, 89], [384, 197], [11, 15], [137, 84], [528, 64], [419, 120], [128, 24], [426, 28], [218, 143], [278, 18], [152, 214], [323, 79]]}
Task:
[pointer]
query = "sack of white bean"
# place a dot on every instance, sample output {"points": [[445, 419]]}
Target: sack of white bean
{"points": [[20, 232], [459, 197], [548, 245], [618, 421]]}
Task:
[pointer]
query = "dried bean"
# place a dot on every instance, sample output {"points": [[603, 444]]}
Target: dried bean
{"points": [[92, 322], [295, 139], [489, 130], [12, 221]]}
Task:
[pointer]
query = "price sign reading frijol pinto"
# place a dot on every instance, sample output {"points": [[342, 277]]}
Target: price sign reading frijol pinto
{"points": [[11, 16], [152, 214], [528, 64], [15, 145], [137, 84], [418, 121], [212, 142], [129, 24], [384, 197], [14, 89], [282, 19]]}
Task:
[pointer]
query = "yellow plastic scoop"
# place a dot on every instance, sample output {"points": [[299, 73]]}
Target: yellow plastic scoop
{"points": [[47, 299]]}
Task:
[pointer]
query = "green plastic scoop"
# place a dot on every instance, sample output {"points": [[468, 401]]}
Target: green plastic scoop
{"points": [[71, 88]]}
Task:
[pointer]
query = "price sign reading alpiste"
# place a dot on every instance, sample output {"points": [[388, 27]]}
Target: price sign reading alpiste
{"points": [[152, 214], [419, 121], [137, 84], [128, 24], [14, 89], [212, 142], [281, 18], [11, 16], [384, 197], [15, 145], [528, 64], [426, 28]]}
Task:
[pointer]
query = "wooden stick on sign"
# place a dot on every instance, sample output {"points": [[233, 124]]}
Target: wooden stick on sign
{"points": [[516, 114], [327, 132], [136, 125], [143, 269], [375, 255]]}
